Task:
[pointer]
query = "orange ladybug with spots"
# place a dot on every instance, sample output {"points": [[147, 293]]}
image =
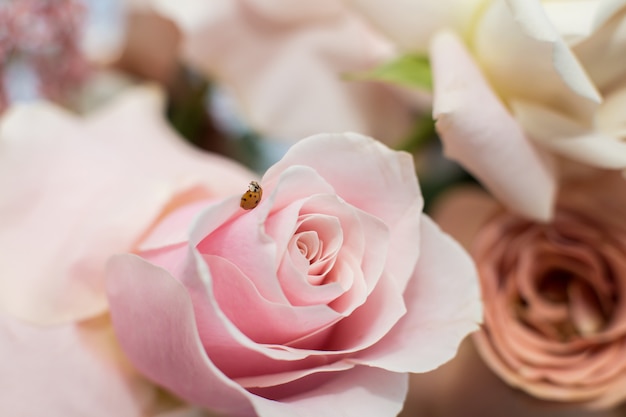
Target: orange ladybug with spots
{"points": [[250, 199]]}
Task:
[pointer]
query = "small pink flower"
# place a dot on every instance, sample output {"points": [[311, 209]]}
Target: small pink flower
{"points": [[45, 36], [316, 302]]}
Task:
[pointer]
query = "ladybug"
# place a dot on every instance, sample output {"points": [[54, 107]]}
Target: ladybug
{"points": [[250, 199]]}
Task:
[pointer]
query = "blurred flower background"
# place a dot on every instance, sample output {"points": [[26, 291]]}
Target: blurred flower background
{"points": [[514, 113]]}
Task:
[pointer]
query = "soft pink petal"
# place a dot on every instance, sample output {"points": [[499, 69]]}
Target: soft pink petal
{"points": [[369, 323], [230, 350], [362, 391], [262, 320], [478, 131], [68, 371], [168, 348], [76, 191], [283, 11], [362, 170], [243, 242], [443, 306], [269, 66], [173, 227]]}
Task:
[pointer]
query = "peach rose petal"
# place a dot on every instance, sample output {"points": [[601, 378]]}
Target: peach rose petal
{"points": [[485, 138], [68, 370], [461, 212], [76, 170], [436, 326]]}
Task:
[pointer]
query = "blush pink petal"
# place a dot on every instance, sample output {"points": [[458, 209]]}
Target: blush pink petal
{"points": [[174, 227], [485, 138], [76, 191], [443, 306], [231, 350], [344, 396], [259, 319], [283, 11], [68, 370], [267, 64], [244, 243], [168, 348], [349, 158], [180, 363]]}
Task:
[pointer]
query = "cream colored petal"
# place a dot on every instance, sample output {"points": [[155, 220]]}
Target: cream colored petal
{"points": [[611, 116], [524, 57], [411, 23], [566, 137], [478, 131], [573, 20], [603, 53]]}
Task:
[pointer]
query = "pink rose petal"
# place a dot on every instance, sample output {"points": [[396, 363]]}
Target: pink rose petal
{"points": [[345, 394], [347, 159], [76, 191], [68, 370], [440, 311], [168, 348]]}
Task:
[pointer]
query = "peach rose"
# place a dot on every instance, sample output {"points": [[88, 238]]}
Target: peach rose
{"points": [[555, 317], [316, 302], [283, 62], [74, 192], [509, 75]]}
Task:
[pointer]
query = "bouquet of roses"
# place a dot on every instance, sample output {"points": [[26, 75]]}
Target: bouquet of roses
{"points": [[270, 208]]}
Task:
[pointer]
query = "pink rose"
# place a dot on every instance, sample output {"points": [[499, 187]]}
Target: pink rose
{"points": [[316, 302], [555, 316], [74, 192], [271, 54]]}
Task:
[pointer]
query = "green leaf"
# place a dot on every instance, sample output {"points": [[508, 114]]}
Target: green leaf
{"points": [[408, 70]]}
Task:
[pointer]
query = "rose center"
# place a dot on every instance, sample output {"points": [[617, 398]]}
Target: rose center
{"points": [[318, 240], [577, 309]]}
